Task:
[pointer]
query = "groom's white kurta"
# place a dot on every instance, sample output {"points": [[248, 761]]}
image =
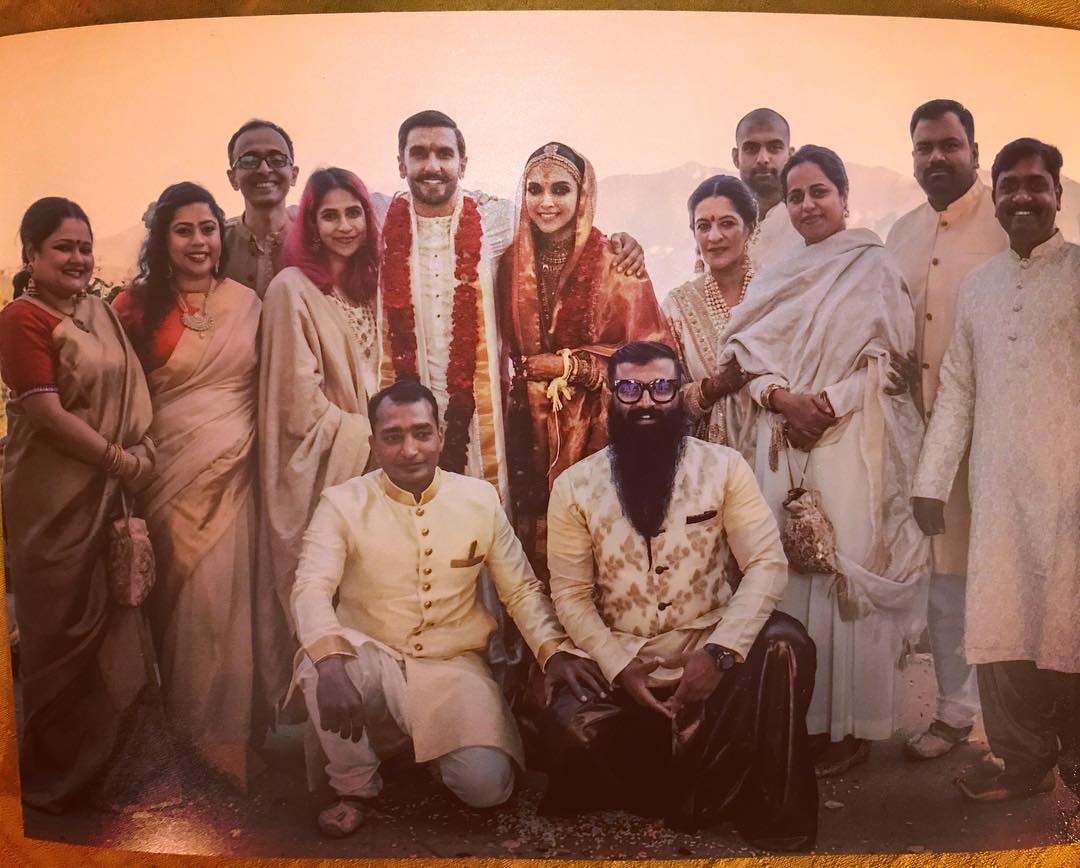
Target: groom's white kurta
{"points": [[431, 267]]}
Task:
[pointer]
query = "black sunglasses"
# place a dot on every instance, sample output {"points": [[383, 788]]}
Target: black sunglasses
{"points": [[252, 161], [661, 391]]}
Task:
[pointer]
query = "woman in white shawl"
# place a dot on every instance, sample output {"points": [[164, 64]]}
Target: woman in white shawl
{"points": [[318, 366], [819, 334]]}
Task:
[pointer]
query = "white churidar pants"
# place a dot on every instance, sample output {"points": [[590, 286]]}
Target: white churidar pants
{"points": [[958, 688], [480, 776]]}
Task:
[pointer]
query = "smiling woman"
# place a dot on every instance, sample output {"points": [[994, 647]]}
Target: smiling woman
{"points": [[318, 367], [196, 334], [79, 416], [566, 309], [724, 220], [830, 425]]}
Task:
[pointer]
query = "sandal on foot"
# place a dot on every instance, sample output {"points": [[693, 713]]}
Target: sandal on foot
{"points": [[342, 818], [828, 767], [938, 739], [999, 787]]}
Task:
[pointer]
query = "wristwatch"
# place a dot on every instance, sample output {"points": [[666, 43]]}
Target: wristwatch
{"points": [[724, 658]]}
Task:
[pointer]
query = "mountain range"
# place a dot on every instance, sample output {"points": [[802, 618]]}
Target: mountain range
{"points": [[652, 208]]}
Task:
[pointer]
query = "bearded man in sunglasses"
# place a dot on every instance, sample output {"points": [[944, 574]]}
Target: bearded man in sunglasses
{"points": [[706, 719], [261, 168]]}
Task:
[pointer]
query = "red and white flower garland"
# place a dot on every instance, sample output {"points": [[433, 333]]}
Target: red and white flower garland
{"points": [[465, 330]]}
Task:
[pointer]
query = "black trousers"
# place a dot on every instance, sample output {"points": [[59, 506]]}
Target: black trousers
{"points": [[1032, 719], [741, 755]]}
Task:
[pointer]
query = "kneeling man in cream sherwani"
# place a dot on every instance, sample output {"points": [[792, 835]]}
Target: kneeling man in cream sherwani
{"points": [[403, 653]]}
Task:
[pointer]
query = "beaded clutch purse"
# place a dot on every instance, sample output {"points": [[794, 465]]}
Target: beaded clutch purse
{"points": [[130, 564], [809, 541]]}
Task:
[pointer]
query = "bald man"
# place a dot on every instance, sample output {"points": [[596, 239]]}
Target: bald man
{"points": [[762, 148]]}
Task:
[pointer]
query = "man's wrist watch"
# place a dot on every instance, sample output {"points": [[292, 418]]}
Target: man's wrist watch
{"points": [[724, 658]]}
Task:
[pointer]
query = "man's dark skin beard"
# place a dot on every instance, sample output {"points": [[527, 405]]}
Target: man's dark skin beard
{"points": [[644, 460]]}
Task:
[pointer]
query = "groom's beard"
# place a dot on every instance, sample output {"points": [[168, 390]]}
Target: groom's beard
{"points": [[644, 459], [433, 195]]}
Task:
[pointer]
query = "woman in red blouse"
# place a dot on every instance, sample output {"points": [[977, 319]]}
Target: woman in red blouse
{"points": [[78, 413], [197, 335]]}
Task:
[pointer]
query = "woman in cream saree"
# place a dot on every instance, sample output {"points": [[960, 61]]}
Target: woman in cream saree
{"points": [[201, 352]]}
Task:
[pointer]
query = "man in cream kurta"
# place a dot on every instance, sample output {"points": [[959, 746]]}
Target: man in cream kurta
{"points": [[776, 239], [762, 148], [703, 677], [937, 245], [1017, 337], [403, 650]]}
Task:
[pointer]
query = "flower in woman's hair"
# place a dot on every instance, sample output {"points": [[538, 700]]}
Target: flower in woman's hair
{"points": [[148, 215]]}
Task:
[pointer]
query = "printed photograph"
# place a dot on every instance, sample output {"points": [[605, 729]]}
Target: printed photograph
{"points": [[560, 435]]}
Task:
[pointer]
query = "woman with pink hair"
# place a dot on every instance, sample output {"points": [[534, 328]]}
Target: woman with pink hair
{"points": [[319, 364]]}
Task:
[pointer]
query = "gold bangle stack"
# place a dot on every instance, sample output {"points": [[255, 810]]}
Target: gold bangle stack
{"points": [[113, 459], [586, 371], [766, 396]]}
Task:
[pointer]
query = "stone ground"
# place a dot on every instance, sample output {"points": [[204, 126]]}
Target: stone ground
{"points": [[887, 805]]}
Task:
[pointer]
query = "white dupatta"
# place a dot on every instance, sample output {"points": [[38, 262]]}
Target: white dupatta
{"points": [[813, 321]]}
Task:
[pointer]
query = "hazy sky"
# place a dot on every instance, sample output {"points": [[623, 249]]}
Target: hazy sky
{"points": [[111, 115]]}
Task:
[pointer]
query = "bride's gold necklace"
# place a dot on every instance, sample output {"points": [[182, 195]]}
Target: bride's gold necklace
{"points": [[552, 258]]}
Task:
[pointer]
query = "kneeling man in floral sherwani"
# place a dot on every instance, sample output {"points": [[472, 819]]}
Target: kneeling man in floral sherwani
{"points": [[707, 717]]}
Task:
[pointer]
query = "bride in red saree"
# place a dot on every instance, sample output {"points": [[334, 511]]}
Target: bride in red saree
{"points": [[565, 309]]}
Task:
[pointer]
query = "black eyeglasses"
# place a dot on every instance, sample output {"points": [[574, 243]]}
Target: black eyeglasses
{"points": [[253, 161], [661, 391]]}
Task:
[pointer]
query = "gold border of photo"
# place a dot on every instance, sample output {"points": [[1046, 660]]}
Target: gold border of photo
{"points": [[23, 16]]}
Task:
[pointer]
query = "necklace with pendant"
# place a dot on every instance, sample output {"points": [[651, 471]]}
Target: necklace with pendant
{"points": [[75, 299], [198, 321], [552, 258]]}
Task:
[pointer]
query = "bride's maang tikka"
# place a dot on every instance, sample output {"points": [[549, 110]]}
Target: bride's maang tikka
{"points": [[551, 155]]}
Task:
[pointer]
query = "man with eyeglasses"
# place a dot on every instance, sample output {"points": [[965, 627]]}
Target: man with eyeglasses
{"points": [[261, 167], [707, 718]]}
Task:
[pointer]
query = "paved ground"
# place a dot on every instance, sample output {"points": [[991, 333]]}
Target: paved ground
{"points": [[886, 805]]}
